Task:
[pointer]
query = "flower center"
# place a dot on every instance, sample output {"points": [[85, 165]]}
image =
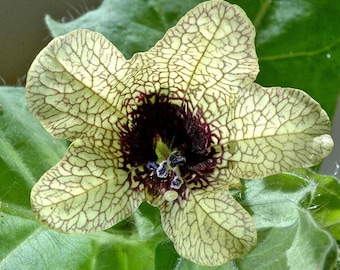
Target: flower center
{"points": [[169, 171], [169, 148]]}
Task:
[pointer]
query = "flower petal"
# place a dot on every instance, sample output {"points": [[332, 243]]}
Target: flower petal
{"points": [[69, 85], [210, 50], [84, 192], [274, 130], [211, 228]]}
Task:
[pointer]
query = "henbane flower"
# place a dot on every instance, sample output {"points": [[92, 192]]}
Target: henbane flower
{"points": [[176, 126]]}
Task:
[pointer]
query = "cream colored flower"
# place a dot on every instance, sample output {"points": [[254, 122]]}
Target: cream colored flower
{"points": [[176, 126]]}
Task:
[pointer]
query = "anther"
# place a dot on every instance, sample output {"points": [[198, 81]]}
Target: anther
{"points": [[151, 165], [176, 183], [175, 159], [162, 171]]}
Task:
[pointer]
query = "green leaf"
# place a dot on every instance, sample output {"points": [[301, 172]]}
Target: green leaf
{"points": [[26, 149], [28, 245], [114, 251], [299, 46], [274, 202], [165, 256], [286, 231], [325, 204], [302, 245], [24, 244]]}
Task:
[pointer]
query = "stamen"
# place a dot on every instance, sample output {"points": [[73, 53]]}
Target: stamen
{"points": [[151, 165], [168, 170], [176, 183], [162, 171], [175, 159]]}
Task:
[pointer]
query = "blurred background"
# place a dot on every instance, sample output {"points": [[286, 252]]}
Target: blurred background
{"points": [[23, 32]]}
